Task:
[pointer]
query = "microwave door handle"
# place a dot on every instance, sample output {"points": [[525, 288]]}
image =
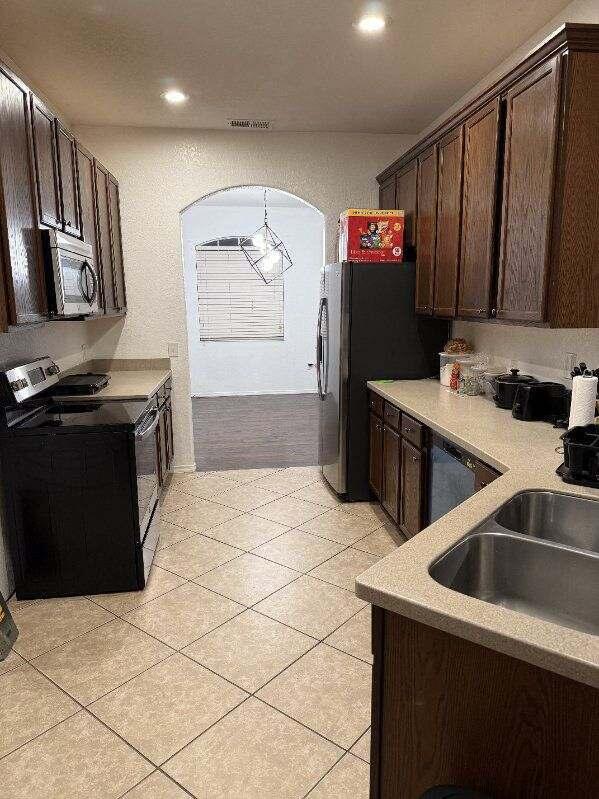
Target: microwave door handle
{"points": [[94, 279], [83, 282]]}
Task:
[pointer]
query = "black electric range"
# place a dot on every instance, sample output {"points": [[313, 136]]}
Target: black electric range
{"points": [[80, 487]]}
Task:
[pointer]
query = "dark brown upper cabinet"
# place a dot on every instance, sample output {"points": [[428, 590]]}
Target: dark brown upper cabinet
{"points": [[87, 200], [387, 194], [449, 217], [22, 285], [426, 233], [68, 184], [116, 244], [105, 268], [406, 198], [528, 233], [528, 175], [479, 198], [46, 164]]}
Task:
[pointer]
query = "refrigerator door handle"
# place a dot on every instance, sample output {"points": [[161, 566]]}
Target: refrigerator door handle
{"points": [[319, 347]]}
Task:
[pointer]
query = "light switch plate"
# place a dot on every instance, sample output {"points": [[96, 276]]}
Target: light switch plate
{"points": [[173, 349]]}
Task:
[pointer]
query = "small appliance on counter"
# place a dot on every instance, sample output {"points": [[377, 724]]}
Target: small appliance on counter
{"points": [[581, 456], [507, 385], [79, 486], [541, 402], [83, 384]]}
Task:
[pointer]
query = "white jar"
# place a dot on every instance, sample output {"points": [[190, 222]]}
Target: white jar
{"points": [[447, 359]]}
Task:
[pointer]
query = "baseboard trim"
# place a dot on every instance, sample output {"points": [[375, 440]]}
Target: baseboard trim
{"points": [[251, 394], [184, 468]]}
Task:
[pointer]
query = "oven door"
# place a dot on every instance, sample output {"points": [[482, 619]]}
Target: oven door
{"points": [[146, 464]]}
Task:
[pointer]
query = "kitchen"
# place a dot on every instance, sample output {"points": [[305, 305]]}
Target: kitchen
{"points": [[157, 680]]}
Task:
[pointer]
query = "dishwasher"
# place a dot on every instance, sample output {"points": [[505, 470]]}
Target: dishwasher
{"points": [[451, 477]]}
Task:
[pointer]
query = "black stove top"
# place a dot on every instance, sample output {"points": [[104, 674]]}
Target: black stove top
{"points": [[70, 416]]}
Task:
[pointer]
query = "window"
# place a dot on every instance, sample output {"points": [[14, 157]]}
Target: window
{"points": [[233, 300]]}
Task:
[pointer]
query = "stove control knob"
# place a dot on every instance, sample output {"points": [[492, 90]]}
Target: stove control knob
{"points": [[17, 385], [53, 370]]}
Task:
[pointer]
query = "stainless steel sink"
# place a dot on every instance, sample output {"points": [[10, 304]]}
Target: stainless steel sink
{"points": [[538, 554], [557, 517]]}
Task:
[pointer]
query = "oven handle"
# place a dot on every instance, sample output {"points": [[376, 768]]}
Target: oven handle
{"points": [[94, 278], [146, 429]]}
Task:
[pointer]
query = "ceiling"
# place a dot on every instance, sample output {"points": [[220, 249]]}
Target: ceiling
{"points": [[299, 63]]}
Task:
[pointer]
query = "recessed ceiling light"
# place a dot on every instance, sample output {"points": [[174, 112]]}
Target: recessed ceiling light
{"points": [[174, 96], [371, 23]]}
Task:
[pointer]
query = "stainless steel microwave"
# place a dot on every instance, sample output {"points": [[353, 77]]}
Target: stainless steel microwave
{"points": [[71, 275]]}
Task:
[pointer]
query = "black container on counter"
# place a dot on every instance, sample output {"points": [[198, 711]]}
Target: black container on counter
{"points": [[507, 385]]}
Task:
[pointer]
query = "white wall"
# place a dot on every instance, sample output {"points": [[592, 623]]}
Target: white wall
{"points": [[162, 171], [257, 366]]}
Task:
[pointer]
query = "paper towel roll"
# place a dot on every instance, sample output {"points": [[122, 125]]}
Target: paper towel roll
{"points": [[584, 398]]}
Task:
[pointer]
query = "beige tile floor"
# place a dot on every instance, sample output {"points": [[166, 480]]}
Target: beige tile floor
{"points": [[242, 671]]}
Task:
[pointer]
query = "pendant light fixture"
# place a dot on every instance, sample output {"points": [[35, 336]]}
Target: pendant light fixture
{"points": [[266, 252]]}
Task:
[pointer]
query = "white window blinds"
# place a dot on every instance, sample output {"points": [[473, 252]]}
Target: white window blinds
{"points": [[233, 300]]}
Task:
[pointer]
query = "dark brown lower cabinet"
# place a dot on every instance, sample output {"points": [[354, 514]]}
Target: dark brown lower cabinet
{"points": [[375, 476], [446, 711], [412, 489], [391, 472]]}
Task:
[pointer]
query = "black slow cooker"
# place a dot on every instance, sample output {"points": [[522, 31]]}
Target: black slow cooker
{"points": [[505, 387]]}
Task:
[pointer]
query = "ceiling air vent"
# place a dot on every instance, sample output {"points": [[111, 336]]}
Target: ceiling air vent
{"points": [[250, 124]]}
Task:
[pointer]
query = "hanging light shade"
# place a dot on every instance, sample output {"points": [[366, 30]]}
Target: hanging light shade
{"points": [[266, 252]]}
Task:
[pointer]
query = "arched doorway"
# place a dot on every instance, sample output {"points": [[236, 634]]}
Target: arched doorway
{"points": [[251, 344]]}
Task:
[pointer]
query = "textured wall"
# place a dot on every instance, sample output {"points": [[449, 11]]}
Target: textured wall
{"points": [[161, 172]]}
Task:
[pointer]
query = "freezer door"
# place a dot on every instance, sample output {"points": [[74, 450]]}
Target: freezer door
{"points": [[333, 355]]}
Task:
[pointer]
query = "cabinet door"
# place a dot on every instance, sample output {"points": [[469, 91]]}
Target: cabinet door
{"points": [[104, 243], [116, 244], [46, 164], [387, 194], [412, 488], [481, 137], [87, 204], [405, 197], [23, 291], [391, 472], [530, 136], [449, 208], [426, 234], [67, 174], [376, 455]]}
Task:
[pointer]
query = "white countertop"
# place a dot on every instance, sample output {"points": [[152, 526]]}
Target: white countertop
{"points": [[526, 454]]}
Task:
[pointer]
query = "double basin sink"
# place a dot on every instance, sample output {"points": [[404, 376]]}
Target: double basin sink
{"points": [[537, 554]]}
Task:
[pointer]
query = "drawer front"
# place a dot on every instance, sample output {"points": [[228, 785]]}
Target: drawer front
{"points": [[392, 416], [412, 430], [376, 404]]}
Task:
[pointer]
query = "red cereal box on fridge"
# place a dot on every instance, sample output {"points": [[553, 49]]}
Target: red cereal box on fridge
{"points": [[371, 235]]}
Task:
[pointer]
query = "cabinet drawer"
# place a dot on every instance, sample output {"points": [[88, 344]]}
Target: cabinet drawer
{"points": [[392, 416], [376, 404], [412, 430]]}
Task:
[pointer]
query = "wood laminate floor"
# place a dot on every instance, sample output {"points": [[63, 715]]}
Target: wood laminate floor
{"points": [[264, 431]]}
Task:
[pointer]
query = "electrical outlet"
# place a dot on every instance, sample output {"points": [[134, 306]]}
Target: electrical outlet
{"points": [[173, 349], [570, 361]]}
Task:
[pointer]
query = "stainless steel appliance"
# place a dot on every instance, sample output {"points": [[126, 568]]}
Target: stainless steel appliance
{"points": [[79, 485], [451, 477], [71, 276], [367, 329]]}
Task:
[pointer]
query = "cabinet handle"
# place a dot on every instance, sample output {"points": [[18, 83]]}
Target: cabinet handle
{"points": [[480, 311], [494, 312], [415, 458]]}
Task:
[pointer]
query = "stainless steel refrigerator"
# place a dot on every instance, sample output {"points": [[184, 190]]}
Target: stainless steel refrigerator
{"points": [[367, 330]]}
